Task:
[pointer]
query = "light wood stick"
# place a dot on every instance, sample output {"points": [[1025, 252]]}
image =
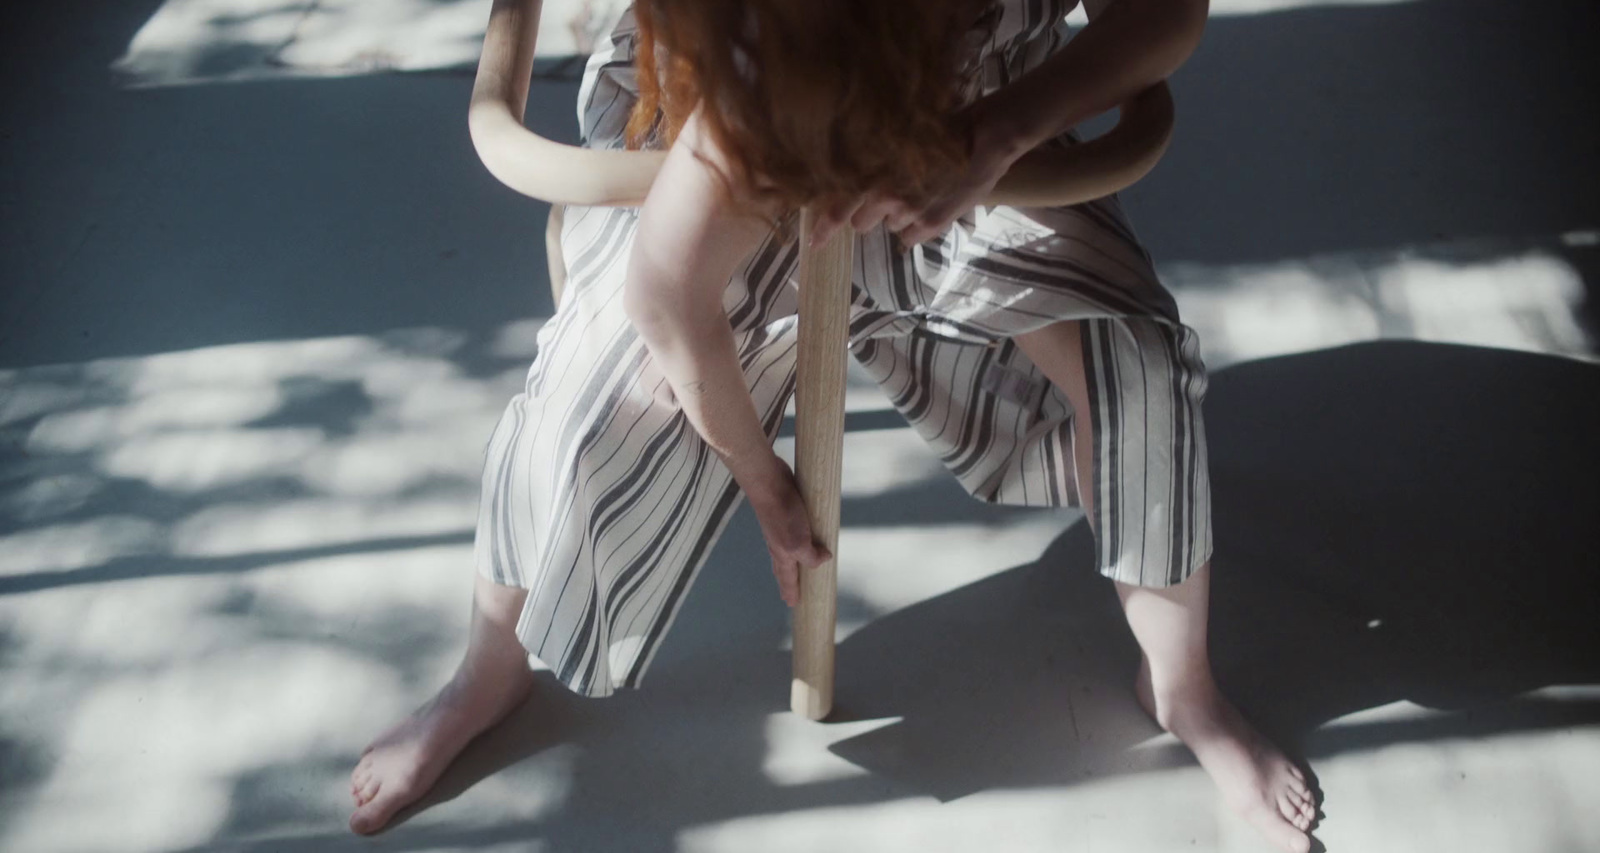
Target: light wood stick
{"points": [[819, 454], [552, 253]]}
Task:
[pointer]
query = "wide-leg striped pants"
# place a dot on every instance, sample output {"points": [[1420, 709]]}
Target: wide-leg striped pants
{"points": [[600, 498]]}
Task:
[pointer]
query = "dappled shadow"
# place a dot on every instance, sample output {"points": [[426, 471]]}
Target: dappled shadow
{"points": [[1424, 518], [1334, 129], [228, 41], [1395, 522], [1409, 558], [1347, 142], [1338, 175], [1399, 527], [140, 567], [235, 457], [1533, 295]]}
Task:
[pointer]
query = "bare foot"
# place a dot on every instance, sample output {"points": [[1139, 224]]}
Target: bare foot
{"points": [[1257, 781], [403, 763]]}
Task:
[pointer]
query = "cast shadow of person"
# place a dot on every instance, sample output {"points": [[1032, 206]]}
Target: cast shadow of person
{"points": [[1393, 521]]}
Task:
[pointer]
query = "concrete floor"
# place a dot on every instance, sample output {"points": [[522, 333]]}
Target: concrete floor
{"points": [[254, 335]]}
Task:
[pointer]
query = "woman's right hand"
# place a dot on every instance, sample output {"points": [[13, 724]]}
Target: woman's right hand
{"points": [[786, 525]]}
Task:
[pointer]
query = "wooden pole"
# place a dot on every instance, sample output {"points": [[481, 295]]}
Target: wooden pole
{"points": [[818, 455], [552, 253]]}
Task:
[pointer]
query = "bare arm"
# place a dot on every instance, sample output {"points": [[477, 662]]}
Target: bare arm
{"points": [[1126, 51], [1128, 46], [687, 248], [688, 245]]}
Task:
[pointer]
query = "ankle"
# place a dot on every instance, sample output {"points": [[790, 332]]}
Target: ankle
{"points": [[478, 681], [1177, 702]]}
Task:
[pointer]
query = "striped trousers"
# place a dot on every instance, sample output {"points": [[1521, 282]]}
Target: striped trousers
{"points": [[601, 499]]}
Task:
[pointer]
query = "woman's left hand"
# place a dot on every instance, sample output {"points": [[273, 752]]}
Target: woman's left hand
{"points": [[786, 525], [994, 149]]}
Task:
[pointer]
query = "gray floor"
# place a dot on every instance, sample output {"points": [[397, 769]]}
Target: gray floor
{"points": [[253, 337]]}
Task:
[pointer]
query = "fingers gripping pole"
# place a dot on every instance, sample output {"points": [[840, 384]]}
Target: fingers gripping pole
{"points": [[818, 455]]}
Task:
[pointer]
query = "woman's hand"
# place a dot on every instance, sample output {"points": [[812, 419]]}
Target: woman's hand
{"points": [[995, 146], [786, 525]]}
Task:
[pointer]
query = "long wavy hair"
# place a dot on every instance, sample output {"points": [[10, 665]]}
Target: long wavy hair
{"points": [[811, 101]]}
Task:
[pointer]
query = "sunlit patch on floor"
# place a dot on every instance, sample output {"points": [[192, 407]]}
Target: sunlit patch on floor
{"points": [[211, 41], [797, 749], [1526, 299], [288, 525], [1453, 794], [944, 556], [197, 41], [1103, 815]]}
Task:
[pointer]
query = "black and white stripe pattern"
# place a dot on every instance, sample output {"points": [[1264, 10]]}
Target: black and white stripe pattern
{"points": [[600, 498]]}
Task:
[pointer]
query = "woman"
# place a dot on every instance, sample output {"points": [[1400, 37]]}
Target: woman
{"points": [[1033, 349]]}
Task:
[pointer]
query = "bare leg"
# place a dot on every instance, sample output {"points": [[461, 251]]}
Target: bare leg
{"points": [[493, 678], [1175, 684], [1176, 688]]}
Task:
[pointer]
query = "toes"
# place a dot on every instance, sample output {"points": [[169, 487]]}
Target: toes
{"points": [[1288, 808], [368, 819], [363, 771], [363, 822], [1282, 833], [1299, 820], [1297, 804], [367, 791], [376, 812]]}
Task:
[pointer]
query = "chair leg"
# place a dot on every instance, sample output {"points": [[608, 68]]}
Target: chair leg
{"points": [[819, 450], [552, 253]]}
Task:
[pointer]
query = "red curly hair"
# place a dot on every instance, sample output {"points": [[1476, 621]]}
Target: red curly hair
{"points": [[812, 101]]}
